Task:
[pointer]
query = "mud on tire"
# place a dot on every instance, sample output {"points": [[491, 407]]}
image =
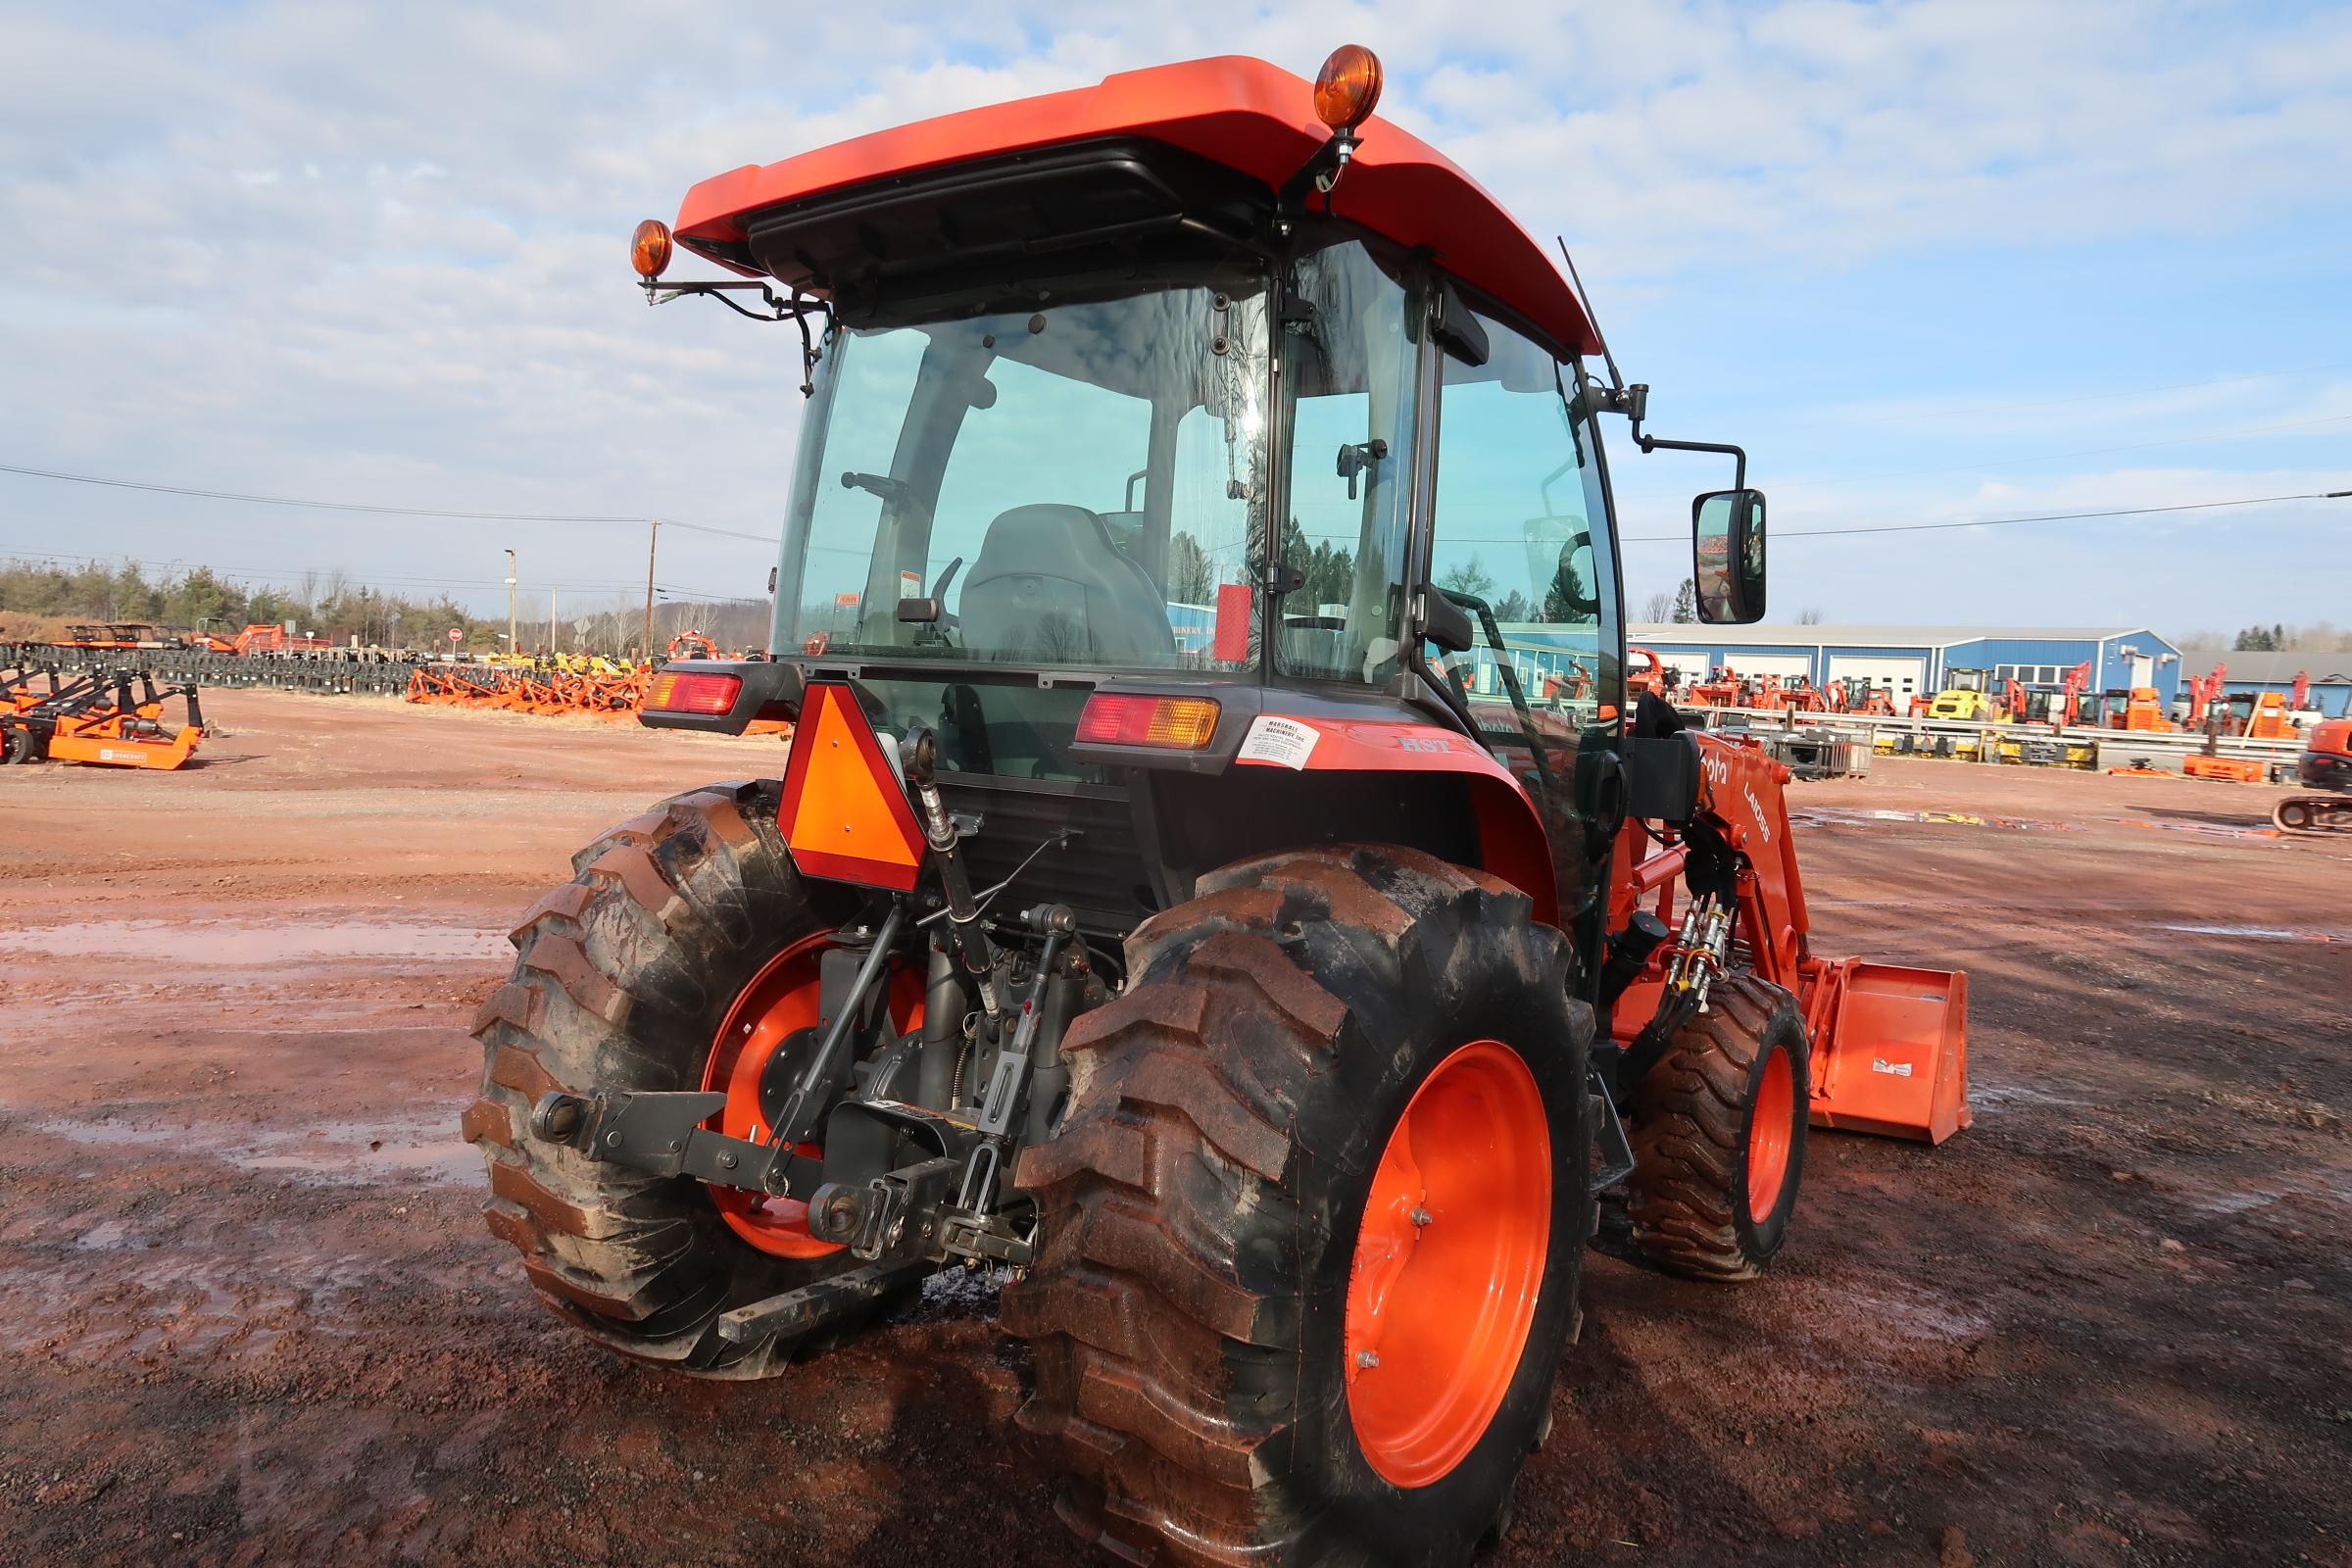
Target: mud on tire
{"points": [[623, 979], [1688, 1197], [1201, 1207]]}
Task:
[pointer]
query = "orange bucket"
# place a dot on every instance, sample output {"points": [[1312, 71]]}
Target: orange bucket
{"points": [[1893, 1059]]}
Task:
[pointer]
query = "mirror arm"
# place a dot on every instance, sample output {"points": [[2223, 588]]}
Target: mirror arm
{"points": [[1738, 455]]}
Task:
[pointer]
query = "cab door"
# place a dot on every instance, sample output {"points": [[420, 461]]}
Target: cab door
{"points": [[1521, 540]]}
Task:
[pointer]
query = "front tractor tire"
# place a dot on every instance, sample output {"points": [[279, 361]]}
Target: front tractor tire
{"points": [[625, 979], [1314, 1223], [1719, 1135]]}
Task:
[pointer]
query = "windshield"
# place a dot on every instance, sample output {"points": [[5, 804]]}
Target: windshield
{"points": [[1077, 484]]}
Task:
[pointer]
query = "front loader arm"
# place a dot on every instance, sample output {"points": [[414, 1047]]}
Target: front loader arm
{"points": [[1888, 1042], [1742, 822]]}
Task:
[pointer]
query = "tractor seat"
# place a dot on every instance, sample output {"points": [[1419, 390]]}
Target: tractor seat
{"points": [[1051, 584]]}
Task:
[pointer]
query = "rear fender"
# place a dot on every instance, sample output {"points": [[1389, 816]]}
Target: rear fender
{"points": [[1512, 843]]}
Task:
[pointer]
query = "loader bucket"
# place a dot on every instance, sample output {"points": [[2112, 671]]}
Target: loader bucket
{"points": [[1893, 1059]]}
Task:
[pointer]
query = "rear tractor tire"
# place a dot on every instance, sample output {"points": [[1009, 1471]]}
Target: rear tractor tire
{"points": [[685, 943], [1719, 1135], [1315, 1224]]}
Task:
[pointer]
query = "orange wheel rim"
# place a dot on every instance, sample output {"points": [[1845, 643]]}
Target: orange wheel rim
{"points": [[1768, 1136], [782, 1000], [1448, 1262]]}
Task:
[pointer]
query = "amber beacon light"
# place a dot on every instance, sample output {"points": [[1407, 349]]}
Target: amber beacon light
{"points": [[1347, 87], [649, 247]]}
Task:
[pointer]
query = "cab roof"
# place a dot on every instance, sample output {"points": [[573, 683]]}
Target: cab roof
{"points": [[1249, 117]]}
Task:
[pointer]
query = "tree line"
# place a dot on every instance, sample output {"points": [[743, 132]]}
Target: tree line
{"points": [[39, 600], [198, 599]]}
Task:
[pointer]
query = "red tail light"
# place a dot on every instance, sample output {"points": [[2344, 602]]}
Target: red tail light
{"points": [[677, 691], [1175, 724]]}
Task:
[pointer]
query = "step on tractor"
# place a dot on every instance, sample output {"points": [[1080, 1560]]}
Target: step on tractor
{"points": [[1175, 900]]}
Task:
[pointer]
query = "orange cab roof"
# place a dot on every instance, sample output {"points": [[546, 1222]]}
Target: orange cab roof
{"points": [[1251, 117]]}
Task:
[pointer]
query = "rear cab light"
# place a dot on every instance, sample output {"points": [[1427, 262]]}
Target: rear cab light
{"points": [[686, 691], [1162, 723]]}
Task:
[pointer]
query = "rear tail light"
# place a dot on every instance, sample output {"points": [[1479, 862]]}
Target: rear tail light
{"points": [[677, 691], [1174, 723]]}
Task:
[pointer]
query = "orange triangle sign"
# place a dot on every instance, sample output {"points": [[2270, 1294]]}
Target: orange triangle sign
{"points": [[845, 813]]}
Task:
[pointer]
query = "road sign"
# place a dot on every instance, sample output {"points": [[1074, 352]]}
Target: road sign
{"points": [[456, 634]]}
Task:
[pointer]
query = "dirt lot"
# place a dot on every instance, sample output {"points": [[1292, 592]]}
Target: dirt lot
{"points": [[248, 1312]]}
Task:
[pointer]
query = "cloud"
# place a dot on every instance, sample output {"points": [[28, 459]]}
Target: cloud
{"points": [[375, 251]]}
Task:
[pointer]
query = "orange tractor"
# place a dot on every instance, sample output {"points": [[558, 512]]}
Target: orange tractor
{"points": [[1274, 1004]]}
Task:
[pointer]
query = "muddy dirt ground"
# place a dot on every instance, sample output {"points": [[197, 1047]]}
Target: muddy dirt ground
{"points": [[248, 1313]]}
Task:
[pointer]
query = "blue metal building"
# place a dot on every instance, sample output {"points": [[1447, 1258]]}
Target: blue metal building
{"points": [[2330, 677], [1914, 661]]}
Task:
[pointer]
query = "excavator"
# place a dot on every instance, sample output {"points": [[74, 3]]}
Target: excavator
{"points": [[1273, 1011], [2326, 764]]}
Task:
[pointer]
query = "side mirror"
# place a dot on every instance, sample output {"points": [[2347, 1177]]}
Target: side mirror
{"points": [[1727, 537]]}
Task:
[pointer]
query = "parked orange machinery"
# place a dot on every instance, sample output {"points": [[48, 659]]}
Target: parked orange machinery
{"points": [[114, 719]]}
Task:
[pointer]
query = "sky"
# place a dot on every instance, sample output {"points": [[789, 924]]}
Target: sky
{"points": [[1929, 261]]}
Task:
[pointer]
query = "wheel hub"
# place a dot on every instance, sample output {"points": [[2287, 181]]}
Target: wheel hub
{"points": [[1448, 1261], [1768, 1134], [755, 1059]]}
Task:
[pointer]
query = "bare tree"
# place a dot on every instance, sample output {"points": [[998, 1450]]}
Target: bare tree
{"points": [[1657, 607], [1809, 618]]}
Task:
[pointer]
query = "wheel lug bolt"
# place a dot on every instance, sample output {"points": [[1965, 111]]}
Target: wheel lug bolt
{"points": [[1419, 1216], [1365, 1358]]}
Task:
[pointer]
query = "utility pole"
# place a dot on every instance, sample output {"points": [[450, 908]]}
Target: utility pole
{"points": [[554, 645], [510, 645], [653, 541]]}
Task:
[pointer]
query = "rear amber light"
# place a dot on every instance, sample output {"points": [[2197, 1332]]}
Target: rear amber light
{"points": [[1175, 724], [679, 691]]}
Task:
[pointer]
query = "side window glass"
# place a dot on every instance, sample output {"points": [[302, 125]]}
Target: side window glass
{"points": [[875, 369], [1522, 527]]}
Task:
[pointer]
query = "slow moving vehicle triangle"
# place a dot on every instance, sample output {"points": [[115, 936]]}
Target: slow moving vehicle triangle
{"points": [[844, 812]]}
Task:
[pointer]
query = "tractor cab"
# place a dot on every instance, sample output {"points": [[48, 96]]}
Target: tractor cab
{"points": [[1146, 467]]}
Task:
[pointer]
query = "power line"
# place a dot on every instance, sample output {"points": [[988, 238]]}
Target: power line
{"points": [[1779, 534], [371, 507]]}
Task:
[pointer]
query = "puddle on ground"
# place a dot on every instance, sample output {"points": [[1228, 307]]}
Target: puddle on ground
{"points": [[226, 942], [1823, 815], [2267, 933], [165, 1301], [2216, 830], [425, 1150]]}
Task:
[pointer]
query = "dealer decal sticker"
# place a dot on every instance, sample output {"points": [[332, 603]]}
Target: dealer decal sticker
{"points": [[1272, 739]]}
